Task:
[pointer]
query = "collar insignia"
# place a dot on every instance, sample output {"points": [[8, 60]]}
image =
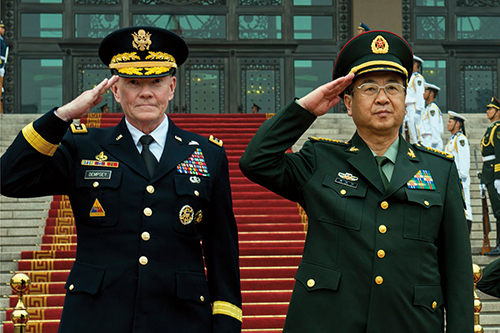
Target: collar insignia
{"points": [[411, 153], [178, 138], [119, 137], [353, 148]]}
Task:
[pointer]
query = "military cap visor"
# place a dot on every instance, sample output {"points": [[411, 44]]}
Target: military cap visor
{"points": [[374, 51], [456, 116], [431, 86], [495, 103], [143, 52]]}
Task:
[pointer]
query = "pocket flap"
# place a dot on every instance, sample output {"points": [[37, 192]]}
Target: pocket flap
{"points": [[315, 277], [106, 178], [192, 286], [195, 186], [86, 278], [430, 297], [349, 186], [425, 198]]}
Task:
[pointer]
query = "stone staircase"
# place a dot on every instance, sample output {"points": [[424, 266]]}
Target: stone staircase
{"points": [[22, 220]]}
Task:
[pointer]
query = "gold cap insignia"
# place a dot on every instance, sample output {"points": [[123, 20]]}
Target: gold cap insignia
{"points": [[186, 215], [141, 40], [380, 45], [101, 157]]}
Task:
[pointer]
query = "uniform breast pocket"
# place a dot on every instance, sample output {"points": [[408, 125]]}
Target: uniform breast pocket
{"points": [[422, 216], [193, 196], [97, 197], [343, 201]]}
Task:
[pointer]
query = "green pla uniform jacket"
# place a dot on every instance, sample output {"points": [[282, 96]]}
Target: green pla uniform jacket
{"points": [[121, 280], [374, 260]]}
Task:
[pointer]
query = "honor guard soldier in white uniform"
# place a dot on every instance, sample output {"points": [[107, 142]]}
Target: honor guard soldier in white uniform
{"points": [[432, 119], [415, 102], [458, 146], [490, 175]]}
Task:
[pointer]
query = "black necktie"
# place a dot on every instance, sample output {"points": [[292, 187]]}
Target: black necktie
{"points": [[381, 161], [147, 155]]}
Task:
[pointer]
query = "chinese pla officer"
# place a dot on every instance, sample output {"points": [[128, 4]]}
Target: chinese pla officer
{"points": [[146, 224], [490, 175], [386, 249]]}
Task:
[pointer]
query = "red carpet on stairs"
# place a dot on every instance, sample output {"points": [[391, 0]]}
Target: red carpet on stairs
{"points": [[271, 236]]}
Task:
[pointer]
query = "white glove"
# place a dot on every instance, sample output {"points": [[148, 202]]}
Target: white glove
{"points": [[2, 72], [497, 185]]}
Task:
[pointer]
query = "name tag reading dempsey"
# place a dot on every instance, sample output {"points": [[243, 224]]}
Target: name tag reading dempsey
{"points": [[98, 174]]}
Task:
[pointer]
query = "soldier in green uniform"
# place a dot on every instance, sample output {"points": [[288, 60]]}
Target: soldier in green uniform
{"points": [[387, 245], [490, 176]]}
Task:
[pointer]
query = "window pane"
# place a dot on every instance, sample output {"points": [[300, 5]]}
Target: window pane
{"points": [[41, 25], [310, 74], [41, 85], [95, 25], [477, 87], [188, 26], [434, 72], [313, 27], [260, 27], [431, 3], [312, 2], [205, 91], [259, 2], [477, 27], [97, 2], [431, 27], [42, 1], [179, 2]]}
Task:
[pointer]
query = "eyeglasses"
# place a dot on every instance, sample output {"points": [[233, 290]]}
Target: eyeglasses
{"points": [[372, 89]]}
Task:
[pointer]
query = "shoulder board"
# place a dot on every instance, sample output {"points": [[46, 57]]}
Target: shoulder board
{"points": [[433, 151], [215, 141], [78, 129], [337, 142]]}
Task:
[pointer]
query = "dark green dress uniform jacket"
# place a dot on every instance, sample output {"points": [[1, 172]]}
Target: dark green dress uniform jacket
{"points": [[124, 280], [374, 260], [490, 150], [490, 281]]}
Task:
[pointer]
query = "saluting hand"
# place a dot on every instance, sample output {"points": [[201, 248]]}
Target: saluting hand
{"points": [[81, 105], [325, 97]]}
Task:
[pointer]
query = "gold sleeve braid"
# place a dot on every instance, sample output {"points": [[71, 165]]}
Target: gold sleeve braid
{"points": [[228, 309], [37, 142]]}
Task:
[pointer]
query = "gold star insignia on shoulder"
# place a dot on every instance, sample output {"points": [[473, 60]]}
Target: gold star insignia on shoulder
{"points": [[215, 141], [80, 129]]}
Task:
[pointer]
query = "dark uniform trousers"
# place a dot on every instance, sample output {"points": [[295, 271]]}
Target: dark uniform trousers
{"points": [[374, 259], [140, 262]]}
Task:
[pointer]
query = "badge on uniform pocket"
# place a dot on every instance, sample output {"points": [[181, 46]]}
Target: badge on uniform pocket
{"points": [[186, 214]]}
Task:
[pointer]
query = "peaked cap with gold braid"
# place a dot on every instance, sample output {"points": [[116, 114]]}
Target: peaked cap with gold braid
{"points": [[495, 103], [143, 52], [374, 51]]}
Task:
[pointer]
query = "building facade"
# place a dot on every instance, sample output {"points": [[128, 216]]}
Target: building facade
{"points": [[245, 52]]}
